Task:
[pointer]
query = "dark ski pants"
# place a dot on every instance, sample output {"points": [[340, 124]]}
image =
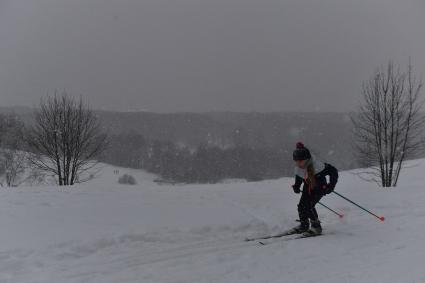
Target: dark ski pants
{"points": [[306, 209]]}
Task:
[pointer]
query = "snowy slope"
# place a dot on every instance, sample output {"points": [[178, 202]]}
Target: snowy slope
{"points": [[105, 232]]}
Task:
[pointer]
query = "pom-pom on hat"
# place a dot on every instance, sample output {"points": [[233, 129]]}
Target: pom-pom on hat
{"points": [[301, 152]]}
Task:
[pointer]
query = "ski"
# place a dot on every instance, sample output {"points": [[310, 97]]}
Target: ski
{"points": [[299, 236], [283, 234]]}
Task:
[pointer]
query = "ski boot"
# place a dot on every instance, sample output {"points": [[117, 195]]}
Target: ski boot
{"points": [[315, 229], [302, 228]]}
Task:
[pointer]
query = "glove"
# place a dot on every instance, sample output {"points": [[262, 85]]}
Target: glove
{"points": [[328, 188], [296, 189]]}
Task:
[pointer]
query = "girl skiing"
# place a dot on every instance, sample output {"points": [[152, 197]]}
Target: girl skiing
{"points": [[312, 174]]}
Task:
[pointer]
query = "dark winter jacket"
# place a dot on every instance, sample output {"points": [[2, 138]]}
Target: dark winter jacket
{"points": [[322, 186]]}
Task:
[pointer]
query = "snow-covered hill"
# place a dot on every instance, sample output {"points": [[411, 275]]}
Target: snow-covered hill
{"points": [[105, 232]]}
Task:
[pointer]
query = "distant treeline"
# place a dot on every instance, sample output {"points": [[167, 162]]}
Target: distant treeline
{"points": [[209, 147], [204, 147], [204, 164]]}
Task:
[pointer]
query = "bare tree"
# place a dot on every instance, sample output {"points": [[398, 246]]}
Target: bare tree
{"points": [[13, 160], [14, 163], [66, 138], [388, 127]]}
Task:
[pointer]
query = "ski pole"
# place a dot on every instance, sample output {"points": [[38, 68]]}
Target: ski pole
{"points": [[382, 218], [340, 215]]}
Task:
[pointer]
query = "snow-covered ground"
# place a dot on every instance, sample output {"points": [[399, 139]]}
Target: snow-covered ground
{"points": [[105, 232]]}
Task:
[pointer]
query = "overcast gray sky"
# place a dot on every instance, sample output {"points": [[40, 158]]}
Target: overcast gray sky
{"points": [[204, 55]]}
